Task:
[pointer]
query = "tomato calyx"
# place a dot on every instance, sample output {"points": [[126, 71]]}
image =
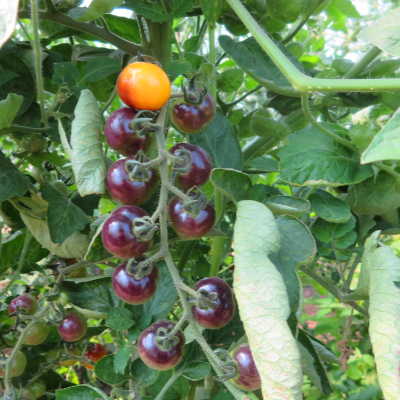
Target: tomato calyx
{"points": [[144, 228], [193, 94], [166, 338], [139, 269], [198, 202], [206, 300], [184, 163], [136, 171], [141, 121], [227, 365]]}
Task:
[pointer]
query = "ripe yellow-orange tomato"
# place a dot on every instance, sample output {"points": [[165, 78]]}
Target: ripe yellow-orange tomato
{"points": [[144, 86]]}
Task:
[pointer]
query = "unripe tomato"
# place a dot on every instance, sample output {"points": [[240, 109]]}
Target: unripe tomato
{"points": [[27, 394], [17, 366], [34, 143], [144, 86], [95, 354], [37, 334], [75, 351], [192, 118], [61, 186], [38, 388]]}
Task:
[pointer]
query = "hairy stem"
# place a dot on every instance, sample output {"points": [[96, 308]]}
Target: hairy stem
{"points": [[38, 61], [28, 237], [368, 57], [217, 243]]}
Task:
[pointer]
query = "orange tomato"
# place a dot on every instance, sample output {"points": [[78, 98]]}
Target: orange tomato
{"points": [[144, 86], [95, 354]]}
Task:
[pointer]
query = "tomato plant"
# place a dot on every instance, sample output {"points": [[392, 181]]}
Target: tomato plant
{"points": [[210, 190]]}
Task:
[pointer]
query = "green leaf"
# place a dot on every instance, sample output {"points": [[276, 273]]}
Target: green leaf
{"points": [[177, 68], [374, 196], [157, 13], [121, 358], [97, 295], [119, 319], [286, 10], [177, 391], [314, 159], [234, 184], [211, 10], [361, 136], [196, 370], [384, 146], [260, 192], [99, 7], [63, 216], [287, 205], [65, 74], [385, 33], [104, 370], [142, 373], [159, 306], [127, 28], [263, 301], [87, 155], [345, 7], [264, 164], [268, 127], [249, 56], [312, 365], [5, 75], [297, 248], [81, 392], [329, 208], [218, 139], [100, 68], [193, 44], [9, 109], [12, 181], [38, 159], [230, 80], [343, 242]]}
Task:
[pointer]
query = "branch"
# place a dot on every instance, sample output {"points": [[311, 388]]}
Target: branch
{"points": [[102, 33], [301, 82]]}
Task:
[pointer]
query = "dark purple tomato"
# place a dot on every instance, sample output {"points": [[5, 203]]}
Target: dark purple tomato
{"points": [[248, 377], [187, 226], [132, 290], [130, 192], [200, 166], [191, 118], [118, 236], [73, 327], [18, 363], [24, 302], [214, 318], [37, 334], [152, 355], [121, 137]]}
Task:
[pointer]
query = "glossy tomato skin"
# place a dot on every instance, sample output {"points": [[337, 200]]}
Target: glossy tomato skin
{"points": [[200, 166], [73, 327], [248, 378], [34, 143], [131, 290], [117, 233], [191, 118], [215, 318], [24, 302], [37, 334], [38, 388], [187, 226], [144, 86], [152, 355], [128, 192], [95, 354], [121, 137], [17, 366]]}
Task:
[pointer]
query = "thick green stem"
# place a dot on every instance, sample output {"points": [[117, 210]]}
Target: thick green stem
{"points": [[38, 61], [368, 57], [301, 82], [159, 45], [211, 38], [192, 391], [189, 246], [256, 145], [217, 243], [28, 237], [337, 138], [102, 33], [352, 270], [168, 384]]}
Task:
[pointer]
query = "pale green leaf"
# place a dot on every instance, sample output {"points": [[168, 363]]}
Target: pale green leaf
{"points": [[99, 7], [8, 19], [81, 392], [234, 184], [121, 358], [287, 205], [9, 108], [263, 302], [385, 145], [87, 155], [329, 208]]}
